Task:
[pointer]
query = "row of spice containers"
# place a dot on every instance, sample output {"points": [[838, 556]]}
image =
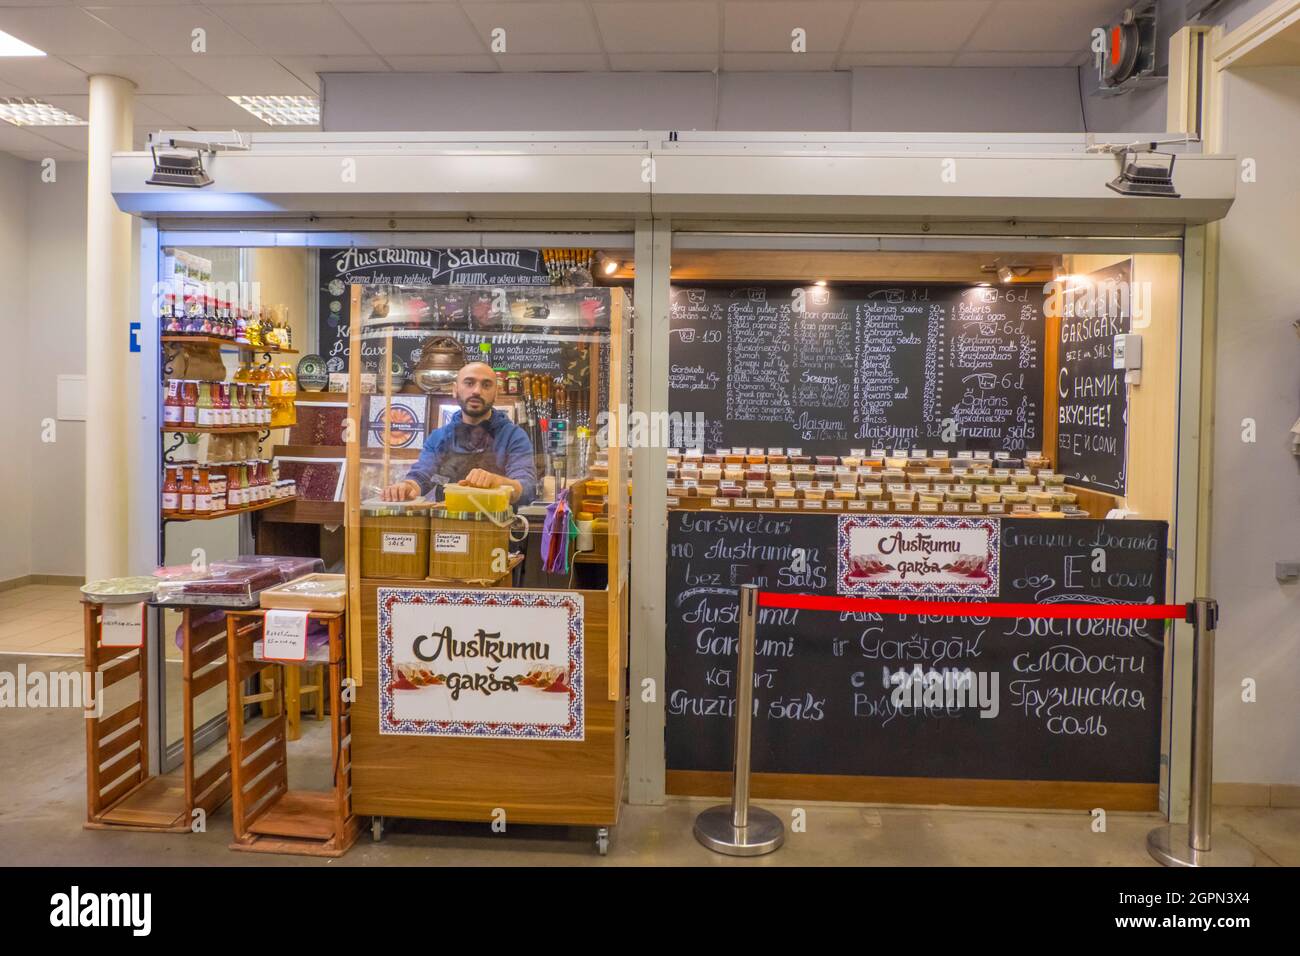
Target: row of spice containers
{"points": [[206, 490]]}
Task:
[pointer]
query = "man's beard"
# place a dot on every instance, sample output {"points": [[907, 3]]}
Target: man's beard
{"points": [[484, 410]]}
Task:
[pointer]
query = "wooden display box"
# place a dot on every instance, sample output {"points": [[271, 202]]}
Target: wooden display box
{"points": [[268, 817], [576, 783], [138, 801]]}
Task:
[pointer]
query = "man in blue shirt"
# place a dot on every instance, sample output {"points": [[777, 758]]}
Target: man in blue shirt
{"points": [[479, 446]]}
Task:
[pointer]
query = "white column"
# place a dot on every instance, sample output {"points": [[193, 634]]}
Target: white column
{"points": [[109, 281]]}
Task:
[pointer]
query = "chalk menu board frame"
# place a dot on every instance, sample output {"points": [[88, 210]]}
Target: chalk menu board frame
{"points": [[1092, 413], [952, 366], [824, 728]]}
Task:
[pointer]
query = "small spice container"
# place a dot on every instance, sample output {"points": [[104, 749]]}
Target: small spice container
{"points": [[1064, 498], [826, 460], [711, 472], [733, 472], [755, 459], [395, 539], [987, 497], [1052, 480], [778, 459], [1013, 498], [814, 494], [845, 493], [1039, 499], [871, 491]]}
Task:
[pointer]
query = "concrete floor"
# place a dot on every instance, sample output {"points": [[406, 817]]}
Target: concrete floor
{"points": [[42, 806]]}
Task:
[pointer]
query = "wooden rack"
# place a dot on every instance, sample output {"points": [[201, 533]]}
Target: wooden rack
{"points": [[268, 816], [118, 744]]}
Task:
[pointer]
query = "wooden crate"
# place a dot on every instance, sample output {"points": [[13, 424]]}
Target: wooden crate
{"points": [[268, 817], [118, 744]]}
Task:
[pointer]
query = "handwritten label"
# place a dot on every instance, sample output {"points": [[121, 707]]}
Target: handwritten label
{"points": [[284, 636], [122, 625], [394, 543], [451, 542]]}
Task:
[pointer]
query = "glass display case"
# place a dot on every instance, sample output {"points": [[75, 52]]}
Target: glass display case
{"points": [[487, 510]]}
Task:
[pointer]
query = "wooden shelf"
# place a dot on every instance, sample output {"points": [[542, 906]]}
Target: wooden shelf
{"points": [[213, 429], [232, 511], [221, 342], [308, 511]]}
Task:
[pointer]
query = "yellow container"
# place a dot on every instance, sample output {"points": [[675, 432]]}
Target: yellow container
{"points": [[463, 498]]}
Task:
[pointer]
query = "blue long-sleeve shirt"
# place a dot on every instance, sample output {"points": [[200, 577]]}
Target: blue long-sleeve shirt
{"points": [[454, 449]]}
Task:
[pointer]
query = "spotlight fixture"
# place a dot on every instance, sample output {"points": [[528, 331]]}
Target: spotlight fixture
{"points": [[820, 283], [609, 265], [1144, 172], [181, 168]]}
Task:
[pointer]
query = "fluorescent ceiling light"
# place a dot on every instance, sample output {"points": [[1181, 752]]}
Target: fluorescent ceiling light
{"points": [[24, 111], [282, 110], [12, 46]]}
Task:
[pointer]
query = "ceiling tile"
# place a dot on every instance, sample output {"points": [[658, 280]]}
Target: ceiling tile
{"points": [[553, 63], [405, 29], [16, 137], [916, 58], [1043, 24], [638, 62], [767, 26], [634, 26], [481, 63], [150, 74], [169, 29], [293, 28], [79, 105], [309, 68], [61, 30], [42, 75], [242, 75], [69, 137], [1016, 58], [902, 26], [741, 62], [202, 112], [536, 27]]}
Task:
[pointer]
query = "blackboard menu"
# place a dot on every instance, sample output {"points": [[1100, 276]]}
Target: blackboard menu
{"points": [[868, 366], [1065, 699], [1092, 421]]}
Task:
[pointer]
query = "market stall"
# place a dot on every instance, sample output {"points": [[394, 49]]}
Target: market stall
{"points": [[480, 699]]}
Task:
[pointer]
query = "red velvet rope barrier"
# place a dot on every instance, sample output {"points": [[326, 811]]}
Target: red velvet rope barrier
{"points": [[814, 602]]}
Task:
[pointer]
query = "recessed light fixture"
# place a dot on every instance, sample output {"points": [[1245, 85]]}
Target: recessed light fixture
{"points": [[282, 110], [12, 46], [24, 111], [609, 265]]}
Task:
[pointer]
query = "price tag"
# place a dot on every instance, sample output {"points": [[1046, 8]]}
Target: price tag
{"points": [[835, 505], [755, 451], [1033, 454], [766, 503], [742, 503], [972, 507], [903, 506], [719, 502], [982, 455], [965, 454], [794, 451], [122, 625], [920, 453], [284, 636], [933, 471], [998, 509], [941, 453], [1002, 455], [857, 453], [673, 502], [951, 506], [790, 504], [812, 505], [776, 451], [927, 506], [878, 453], [858, 505], [880, 506]]}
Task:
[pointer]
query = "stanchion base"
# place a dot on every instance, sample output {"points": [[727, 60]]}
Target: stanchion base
{"points": [[1168, 845], [764, 833]]}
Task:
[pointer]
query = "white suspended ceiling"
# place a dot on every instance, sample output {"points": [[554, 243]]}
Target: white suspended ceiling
{"points": [[281, 47]]}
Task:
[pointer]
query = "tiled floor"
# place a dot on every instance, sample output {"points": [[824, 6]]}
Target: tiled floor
{"points": [[41, 619]]}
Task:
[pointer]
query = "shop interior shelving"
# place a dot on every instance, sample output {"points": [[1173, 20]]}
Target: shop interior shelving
{"points": [[224, 343], [246, 509]]}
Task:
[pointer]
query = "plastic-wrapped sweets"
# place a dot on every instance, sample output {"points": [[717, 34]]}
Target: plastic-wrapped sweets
{"points": [[233, 584]]}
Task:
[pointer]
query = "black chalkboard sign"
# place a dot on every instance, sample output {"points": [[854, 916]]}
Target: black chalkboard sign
{"points": [[1076, 700], [1092, 421], [864, 366]]}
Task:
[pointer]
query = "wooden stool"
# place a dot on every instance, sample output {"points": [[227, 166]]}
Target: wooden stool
{"points": [[295, 690]]}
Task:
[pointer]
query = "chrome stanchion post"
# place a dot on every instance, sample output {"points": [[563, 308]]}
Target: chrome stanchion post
{"points": [[1189, 844], [737, 829]]}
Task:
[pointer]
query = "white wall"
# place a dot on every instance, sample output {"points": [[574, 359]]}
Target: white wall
{"points": [[1257, 485], [16, 423], [56, 345], [879, 99]]}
